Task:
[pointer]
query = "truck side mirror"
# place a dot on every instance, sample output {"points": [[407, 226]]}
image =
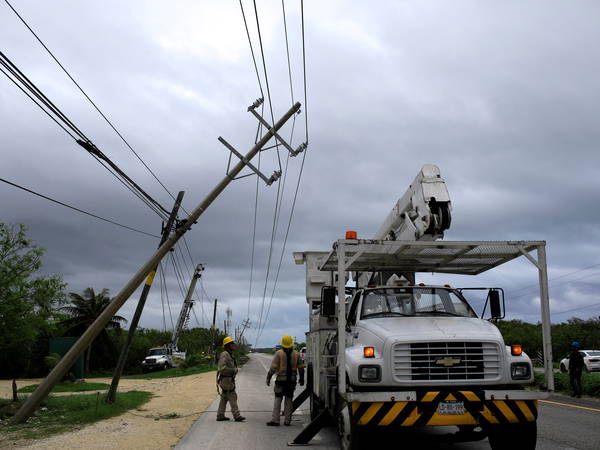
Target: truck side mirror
{"points": [[495, 306], [328, 301]]}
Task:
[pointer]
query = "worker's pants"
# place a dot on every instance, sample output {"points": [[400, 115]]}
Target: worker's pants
{"points": [[575, 377], [287, 405], [230, 397]]}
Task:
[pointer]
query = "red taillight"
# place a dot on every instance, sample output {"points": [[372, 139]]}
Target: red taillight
{"points": [[369, 352], [516, 350]]}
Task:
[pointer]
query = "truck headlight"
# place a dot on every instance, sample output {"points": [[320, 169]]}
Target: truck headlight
{"points": [[520, 371], [369, 374]]}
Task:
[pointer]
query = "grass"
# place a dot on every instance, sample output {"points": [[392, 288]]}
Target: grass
{"points": [[590, 383], [66, 413], [172, 373], [69, 387]]}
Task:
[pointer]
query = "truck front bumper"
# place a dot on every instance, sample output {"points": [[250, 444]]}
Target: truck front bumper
{"points": [[413, 408]]}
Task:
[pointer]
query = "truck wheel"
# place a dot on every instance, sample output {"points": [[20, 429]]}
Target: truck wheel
{"points": [[350, 436], [515, 435], [563, 369], [315, 406]]}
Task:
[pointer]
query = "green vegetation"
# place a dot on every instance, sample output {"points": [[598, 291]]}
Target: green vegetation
{"points": [[27, 304], [529, 335], [66, 413], [173, 373], [69, 387], [590, 383]]}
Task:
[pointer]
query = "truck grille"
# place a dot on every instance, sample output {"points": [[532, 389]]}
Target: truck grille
{"points": [[446, 361]]}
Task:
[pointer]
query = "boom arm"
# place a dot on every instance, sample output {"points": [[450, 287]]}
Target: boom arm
{"points": [[423, 212], [184, 315]]}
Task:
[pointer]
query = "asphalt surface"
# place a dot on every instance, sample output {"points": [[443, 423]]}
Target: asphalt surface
{"points": [[563, 423]]}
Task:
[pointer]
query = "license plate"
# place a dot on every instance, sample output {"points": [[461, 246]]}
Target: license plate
{"points": [[451, 407]]}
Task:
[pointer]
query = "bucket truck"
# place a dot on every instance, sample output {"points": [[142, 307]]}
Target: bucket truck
{"points": [[165, 357], [392, 353]]}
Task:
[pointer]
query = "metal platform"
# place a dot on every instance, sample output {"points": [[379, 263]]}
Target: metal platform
{"points": [[455, 257]]}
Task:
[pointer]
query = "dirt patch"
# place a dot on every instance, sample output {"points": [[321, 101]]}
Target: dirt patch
{"points": [[160, 423]]}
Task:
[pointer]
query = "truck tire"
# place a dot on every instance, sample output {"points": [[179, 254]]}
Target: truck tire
{"points": [[515, 435], [563, 369], [350, 436]]}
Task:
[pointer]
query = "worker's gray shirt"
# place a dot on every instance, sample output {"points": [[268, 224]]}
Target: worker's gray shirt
{"points": [[226, 366]]}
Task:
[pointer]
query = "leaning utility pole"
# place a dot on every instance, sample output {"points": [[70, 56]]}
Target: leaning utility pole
{"points": [[112, 392], [66, 362]]}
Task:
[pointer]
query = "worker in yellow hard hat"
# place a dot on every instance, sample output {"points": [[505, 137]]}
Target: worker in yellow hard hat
{"points": [[226, 372], [287, 364]]}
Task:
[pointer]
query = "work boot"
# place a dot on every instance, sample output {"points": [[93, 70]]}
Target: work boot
{"points": [[272, 424], [240, 419], [222, 419]]}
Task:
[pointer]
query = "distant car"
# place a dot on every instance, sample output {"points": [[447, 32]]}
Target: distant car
{"points": [[303, 353], [591, 358]]}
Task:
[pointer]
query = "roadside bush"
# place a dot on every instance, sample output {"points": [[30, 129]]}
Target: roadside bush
{"points": [[590, 383]]}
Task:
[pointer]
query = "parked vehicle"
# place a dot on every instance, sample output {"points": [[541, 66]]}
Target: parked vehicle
{"points": [[159, 358], [591, 358]]}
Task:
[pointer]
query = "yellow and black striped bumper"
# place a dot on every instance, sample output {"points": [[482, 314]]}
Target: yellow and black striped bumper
{"points": [[424, 411]]}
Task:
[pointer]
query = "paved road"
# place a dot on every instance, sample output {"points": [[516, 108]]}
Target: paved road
{"points": [[564, 423]]}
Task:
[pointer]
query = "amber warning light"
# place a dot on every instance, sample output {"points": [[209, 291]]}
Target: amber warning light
{"points": [[516, 350], [351, 235], [369, 352]]}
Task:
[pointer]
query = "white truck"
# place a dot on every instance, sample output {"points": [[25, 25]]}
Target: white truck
{"points": [[166, 356], [415, 354]]}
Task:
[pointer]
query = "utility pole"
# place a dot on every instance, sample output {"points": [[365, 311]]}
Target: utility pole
{"points": [[112, 392], [185, 309], [245, 324], [214, 315], [42, 391]]}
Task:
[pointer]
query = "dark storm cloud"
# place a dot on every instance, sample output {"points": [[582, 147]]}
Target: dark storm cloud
{"points": [[503, 98]]}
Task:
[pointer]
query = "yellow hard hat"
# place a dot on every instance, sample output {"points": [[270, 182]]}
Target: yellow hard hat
{"points": [[227, 340], [287, 341]]}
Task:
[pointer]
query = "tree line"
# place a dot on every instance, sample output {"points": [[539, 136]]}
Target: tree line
{"points": [[36, 308]]}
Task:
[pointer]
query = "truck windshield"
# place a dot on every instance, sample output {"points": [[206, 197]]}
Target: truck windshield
{"points": [[157, 351], [414, 301]]}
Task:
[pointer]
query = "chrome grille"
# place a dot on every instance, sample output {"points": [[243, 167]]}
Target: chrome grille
{"points": [[446, 361]]}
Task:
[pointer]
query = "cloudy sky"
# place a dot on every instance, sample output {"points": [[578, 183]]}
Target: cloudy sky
{"points": [[503, 97]]}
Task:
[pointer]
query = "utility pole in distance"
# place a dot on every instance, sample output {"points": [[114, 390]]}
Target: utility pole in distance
{"points": [[67, 361], [112, 392]]}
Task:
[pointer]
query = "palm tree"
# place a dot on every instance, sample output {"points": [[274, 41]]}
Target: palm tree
{"points": [[83, 311]]}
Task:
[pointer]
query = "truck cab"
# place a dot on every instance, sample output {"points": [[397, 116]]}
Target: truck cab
{"points": [[158, 358], [406, 335]]}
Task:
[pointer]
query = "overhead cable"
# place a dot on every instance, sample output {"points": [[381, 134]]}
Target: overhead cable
{"points": [[89, 99], [252, 50], [25, 84], [266, 76], [77, 209]]}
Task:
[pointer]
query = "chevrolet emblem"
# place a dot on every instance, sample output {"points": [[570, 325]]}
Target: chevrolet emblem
{"points": [[448, 361]]}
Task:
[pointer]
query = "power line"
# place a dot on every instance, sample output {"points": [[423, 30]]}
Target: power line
{"points": [[557, 284], [25, 84], [259, 332], [576, 309], [266, 76], [252, 50], [304, 71], [167, 296], [287, 50], [89, 99], [77, 209], [556, 278]]}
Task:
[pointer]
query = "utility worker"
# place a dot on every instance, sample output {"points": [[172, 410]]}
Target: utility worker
{"points": [[286, 364], [576, 364], [226, 372]]}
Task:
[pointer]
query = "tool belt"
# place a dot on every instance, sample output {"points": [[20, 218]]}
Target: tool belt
{"points": [[225, 384]]}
